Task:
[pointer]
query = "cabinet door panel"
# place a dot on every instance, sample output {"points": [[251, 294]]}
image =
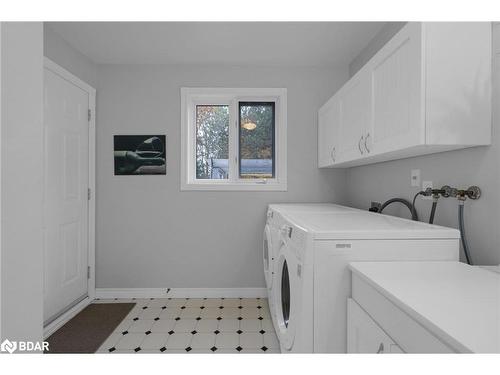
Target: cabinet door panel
{"points": [[328, 133], [355, 117], [364, 335], [396, 76]]}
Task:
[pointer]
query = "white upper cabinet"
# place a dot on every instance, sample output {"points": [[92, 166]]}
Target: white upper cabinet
{"points": [[396, 82], [355, 117], [427, 90], [328, 133]]}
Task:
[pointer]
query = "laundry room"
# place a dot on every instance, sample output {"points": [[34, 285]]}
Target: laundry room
{"points": [[260, 186]]}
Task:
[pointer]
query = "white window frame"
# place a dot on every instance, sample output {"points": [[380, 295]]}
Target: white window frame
{"points": [[191, 97]]}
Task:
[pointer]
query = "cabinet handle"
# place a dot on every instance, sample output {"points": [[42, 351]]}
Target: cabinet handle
{"points": [[332, 154], [366, 139], [359, 145], [380, 348]]}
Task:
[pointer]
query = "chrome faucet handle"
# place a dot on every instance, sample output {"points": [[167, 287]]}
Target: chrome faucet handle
{"points": [[473, 192]]}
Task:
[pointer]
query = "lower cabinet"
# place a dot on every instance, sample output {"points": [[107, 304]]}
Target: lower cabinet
{"points": [[364, 335], [375, 323]]}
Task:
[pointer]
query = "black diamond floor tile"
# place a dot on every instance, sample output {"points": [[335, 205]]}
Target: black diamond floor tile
{"points": [[241, 306]]}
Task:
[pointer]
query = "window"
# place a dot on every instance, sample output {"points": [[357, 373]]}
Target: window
{"points": [[233, 139], [212, 141]]}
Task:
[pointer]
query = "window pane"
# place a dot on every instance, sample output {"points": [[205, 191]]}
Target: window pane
{"points": [[256, 139], [212, 141]]}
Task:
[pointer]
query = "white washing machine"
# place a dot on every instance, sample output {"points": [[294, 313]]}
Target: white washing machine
{"points": [[276, 214], [311, 279], [274, 222]]}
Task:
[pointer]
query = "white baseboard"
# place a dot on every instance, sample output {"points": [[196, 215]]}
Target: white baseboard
{"points": [[64, 318], [103, 293]]}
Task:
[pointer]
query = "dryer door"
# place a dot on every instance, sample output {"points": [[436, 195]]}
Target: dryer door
{"points": [[267, 257], [287, 295]]}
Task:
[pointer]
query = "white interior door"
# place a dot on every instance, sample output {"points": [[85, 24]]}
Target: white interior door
{"points": [[65, 191]]}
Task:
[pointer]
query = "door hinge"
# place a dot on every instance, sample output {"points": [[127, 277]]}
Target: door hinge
{"points": [[89, 193], [89, 115], [88, 272]]}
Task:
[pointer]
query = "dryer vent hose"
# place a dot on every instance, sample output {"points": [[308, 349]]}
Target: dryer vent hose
{"points": [[414, 215]]}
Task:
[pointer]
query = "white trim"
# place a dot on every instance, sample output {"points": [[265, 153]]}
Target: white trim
{"points": [[231, 96], [64, 318], [60, 71], [1, 23], [107, 293]]}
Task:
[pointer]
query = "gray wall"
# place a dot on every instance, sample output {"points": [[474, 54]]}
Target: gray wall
{"points": [[149, 233], [65, 55], [478, 166], [21, 177], [378, 41]]}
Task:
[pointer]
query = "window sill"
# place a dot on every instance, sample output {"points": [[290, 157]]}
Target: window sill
{"points": [[256, 186]]}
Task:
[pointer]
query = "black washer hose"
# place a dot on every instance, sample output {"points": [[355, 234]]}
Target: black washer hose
{"points": [[410, 206], [433, 212], [461, 226]]}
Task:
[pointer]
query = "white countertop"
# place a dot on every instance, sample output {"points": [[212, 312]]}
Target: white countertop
{"points": [[357, 224], [460, 304]]}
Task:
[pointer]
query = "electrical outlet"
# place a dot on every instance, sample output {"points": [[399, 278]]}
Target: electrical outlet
{"points": [[427, 185], [415, 177]]}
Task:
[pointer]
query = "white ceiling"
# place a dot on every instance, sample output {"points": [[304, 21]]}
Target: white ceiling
{"points": [[319, 44]]}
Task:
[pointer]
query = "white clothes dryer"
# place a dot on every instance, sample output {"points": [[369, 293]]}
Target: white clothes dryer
{"points": [[311, 278]]}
